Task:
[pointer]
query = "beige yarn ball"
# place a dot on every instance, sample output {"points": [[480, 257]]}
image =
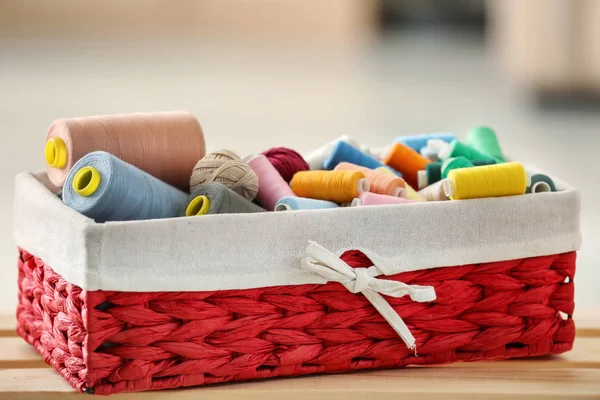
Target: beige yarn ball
{"points": [[227, 168]]}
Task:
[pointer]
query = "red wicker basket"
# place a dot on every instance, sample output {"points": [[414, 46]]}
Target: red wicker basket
{"points": [[106, 342]]}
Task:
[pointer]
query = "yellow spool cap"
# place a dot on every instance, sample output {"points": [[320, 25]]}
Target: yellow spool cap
{"points": [[198, 206], [86, 181], [56, 153]]}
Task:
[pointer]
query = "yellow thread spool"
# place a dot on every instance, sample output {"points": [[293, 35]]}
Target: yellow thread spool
{"points": [[336, 186], [56, 153], [198, 206], [86, 181], [507, 179], [409, 192]]}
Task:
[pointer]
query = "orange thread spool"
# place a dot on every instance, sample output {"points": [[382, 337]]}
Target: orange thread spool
{"points": [[380, 182], [336, 186], [404, 159]]}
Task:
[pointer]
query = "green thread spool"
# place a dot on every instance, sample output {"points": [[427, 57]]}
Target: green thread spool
{"points": [[459, 149], [431, 174], [487, 161], [455, 163], [485, 140]]}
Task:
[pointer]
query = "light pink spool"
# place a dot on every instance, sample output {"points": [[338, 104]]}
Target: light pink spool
{"points": [[374, 199], [165, 145], [271, 186], [380, 182]]}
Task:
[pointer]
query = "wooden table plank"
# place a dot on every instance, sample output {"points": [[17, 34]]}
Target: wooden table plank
{"points": [[412, 383], [8, 325], [17, 353]]}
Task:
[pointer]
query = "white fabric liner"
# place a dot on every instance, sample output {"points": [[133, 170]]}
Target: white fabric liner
{"points": [[240, 251]]}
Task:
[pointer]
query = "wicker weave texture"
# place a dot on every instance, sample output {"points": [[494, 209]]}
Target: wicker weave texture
{"points": [[109, 342]]}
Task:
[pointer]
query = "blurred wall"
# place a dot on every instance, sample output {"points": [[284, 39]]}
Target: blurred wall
{"points": [[305, 20], [549, 45]]}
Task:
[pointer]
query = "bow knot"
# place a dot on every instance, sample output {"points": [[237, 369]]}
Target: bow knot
{"points": [[362, 280]]}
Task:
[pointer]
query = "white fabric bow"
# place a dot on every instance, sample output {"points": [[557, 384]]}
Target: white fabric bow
{"points": [[362, 280]]}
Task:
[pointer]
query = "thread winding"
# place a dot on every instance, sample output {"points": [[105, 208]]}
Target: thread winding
{"points": [[379, 182], [301, 203], [124, 192], [507, 179], [272, 187], [418, 142], [336, 186], [165, 145], [485, 140], [374, 199], [216, 198], [344, 152], [404, 159], [225, 167], [454, 163], [541, 183], [286, 161], [434, 192]]}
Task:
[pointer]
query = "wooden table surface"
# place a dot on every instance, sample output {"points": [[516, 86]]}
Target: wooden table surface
{"points": [[574, 375]]}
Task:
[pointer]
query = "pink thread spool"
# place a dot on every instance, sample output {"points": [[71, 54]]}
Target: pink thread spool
{"points": [[374, 199], [271, 186]]}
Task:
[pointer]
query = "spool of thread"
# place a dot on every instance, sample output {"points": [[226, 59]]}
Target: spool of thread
{"points": [[379, 182], [271, 187], [301, 203], [541, 183], [336, 186], [454, 163], [102, 187], [417, 142], [286, 161], [457, 149], [479, 163], [165, 145], [434, 192], [344, 152], [404, 159], [225, 167], [485, 140], [216, 198], [429, 154], [507, 179], [316, 158], [431, 174], [409, 192], [374, 199]]}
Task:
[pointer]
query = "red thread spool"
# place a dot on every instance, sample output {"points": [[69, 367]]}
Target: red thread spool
{"points": [[286, 161]]}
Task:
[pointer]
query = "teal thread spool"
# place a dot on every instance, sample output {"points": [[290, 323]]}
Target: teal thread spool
{"points": [[541, 183], [479, 163], [431, 174], [484, 139], [455, 163]]}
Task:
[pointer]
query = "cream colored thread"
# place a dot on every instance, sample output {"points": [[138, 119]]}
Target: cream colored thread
{"points": [[227, 168]]}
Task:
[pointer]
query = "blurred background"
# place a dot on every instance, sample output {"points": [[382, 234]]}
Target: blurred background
{"points": [[264, 73]]}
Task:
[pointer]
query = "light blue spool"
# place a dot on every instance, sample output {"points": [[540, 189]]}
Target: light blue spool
{"points": [[417, 142], [125, 192], [344, 152], [302, 203]]}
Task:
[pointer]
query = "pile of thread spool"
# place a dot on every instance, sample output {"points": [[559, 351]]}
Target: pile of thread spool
{"points": [[149, 166]]}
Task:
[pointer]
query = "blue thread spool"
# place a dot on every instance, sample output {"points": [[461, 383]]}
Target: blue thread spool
{"points": [[344, 152], [302, 203], [103, 187], [417, 142]]}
